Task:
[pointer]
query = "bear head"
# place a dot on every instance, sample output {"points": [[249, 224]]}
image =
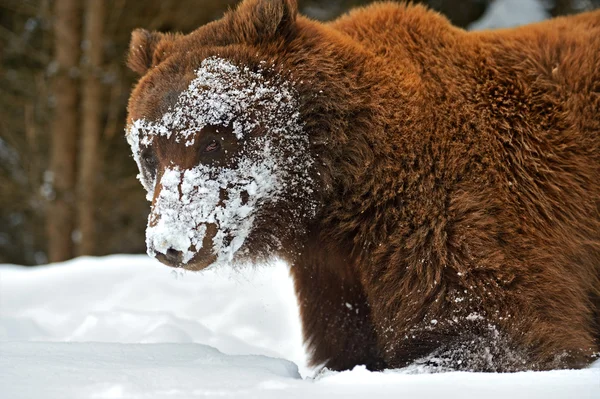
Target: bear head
{"points": [[215, 129]]}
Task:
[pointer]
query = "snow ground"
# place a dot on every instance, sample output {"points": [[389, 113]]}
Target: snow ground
{"points": [[128, 327]]}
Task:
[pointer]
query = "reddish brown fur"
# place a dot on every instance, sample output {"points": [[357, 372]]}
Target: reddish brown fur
{"points": [[459, 174]]}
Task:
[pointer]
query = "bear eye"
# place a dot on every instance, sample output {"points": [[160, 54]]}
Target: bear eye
{"points": [[212, 146], [149, 160]]}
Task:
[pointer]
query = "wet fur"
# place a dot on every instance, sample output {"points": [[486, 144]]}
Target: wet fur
{"points": [[459, 180]]}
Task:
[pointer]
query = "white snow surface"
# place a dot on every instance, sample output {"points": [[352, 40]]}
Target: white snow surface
{"points": [[128, 327], [509, 13]]}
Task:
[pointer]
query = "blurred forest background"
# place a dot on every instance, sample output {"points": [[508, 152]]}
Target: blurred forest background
{"points": [[67, 180]]}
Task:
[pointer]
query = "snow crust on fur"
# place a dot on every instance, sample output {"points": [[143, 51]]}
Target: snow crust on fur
{"points": [[223, 94], [183, 217]]}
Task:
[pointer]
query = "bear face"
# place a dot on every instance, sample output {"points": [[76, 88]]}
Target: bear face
{"points": [[221, 151]]}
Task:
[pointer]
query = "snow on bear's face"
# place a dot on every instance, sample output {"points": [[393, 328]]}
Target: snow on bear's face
{"points": [[222, 166]]}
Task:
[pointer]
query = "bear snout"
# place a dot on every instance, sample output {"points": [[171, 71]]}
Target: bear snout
{"points": [[177, 250], [171, 257]]}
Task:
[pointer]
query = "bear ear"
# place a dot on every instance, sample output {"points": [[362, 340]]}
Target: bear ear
{"points": [[267, 19], [142, 49]]}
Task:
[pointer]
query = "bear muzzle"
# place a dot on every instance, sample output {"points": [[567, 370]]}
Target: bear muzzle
{"points": [[190, 257]]}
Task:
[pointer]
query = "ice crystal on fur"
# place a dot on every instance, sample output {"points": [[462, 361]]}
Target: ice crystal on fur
{"points": [[223, 94]]}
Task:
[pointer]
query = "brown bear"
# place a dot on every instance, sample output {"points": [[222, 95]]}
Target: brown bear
{"points": [[435, 191]]}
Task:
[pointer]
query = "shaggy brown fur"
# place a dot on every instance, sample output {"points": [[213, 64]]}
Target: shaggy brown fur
{"points": [[459, 179]]}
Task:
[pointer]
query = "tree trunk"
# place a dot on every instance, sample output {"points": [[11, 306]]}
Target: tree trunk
{"points": [[60, 216], [92, 111]]}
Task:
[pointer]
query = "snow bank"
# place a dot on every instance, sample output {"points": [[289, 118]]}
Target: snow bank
{"points": [[133, 299], [95, 370], [128, 327]]}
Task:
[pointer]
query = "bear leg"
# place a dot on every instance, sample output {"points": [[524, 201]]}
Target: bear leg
{"points": [[336, 318]]}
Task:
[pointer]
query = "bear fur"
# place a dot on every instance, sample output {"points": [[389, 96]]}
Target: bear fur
{"points": [[457, 179]]}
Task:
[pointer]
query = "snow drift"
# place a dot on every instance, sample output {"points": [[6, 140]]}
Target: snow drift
{"points": [[128, 327]]}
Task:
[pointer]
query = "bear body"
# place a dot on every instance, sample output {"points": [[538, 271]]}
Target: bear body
{"points": [[441, 188]]}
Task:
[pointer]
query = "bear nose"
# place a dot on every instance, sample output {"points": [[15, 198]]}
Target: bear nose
{"points": [[173, 256]]}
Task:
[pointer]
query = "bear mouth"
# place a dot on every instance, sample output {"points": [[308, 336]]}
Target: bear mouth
{"points": [[173, 258]]}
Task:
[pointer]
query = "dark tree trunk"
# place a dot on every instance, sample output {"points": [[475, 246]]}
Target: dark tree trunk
{"points": [[92, 111], [60, 217]]}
